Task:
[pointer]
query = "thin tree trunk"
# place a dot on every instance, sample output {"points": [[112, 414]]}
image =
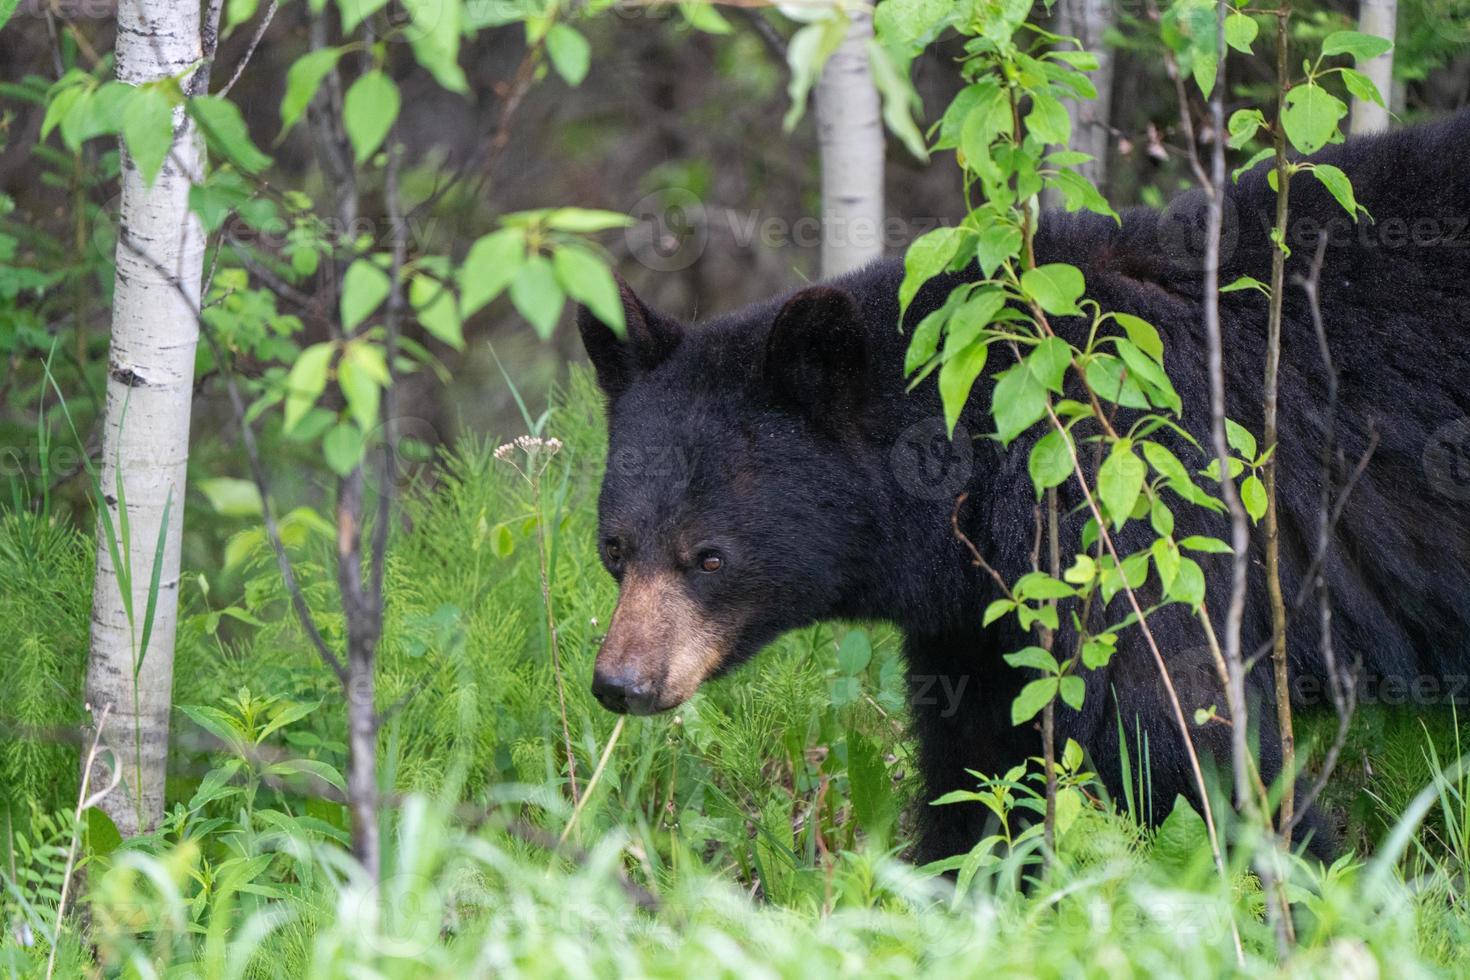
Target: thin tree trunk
{"points": [[850, 134], [1088, 21], [1376, 17], [145, 437]]}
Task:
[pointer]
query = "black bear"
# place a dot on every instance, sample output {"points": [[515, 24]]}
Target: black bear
{"points": [[811, 485]]}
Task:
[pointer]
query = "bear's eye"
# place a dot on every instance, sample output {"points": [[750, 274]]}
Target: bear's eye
{"points": [[711, 561], [614, 549]]}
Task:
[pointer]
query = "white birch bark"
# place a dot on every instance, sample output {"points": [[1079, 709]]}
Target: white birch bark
{"points": [[1379, 18], [145, 437], [1088, 21], [850, 136]]}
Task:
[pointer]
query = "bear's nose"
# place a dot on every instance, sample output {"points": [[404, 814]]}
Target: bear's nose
{"points": [[623, 693]]}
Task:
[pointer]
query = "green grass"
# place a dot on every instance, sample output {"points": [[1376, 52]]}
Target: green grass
{"points": [[756, 830]]}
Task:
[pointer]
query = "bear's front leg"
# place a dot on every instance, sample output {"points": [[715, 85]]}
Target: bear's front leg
{"points": [[961, 717]]}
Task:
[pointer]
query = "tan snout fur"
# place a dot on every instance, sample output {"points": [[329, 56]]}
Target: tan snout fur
{"points": [[659, 636]]}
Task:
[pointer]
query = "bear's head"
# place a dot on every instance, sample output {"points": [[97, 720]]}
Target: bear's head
{"points": [[734, 507]]}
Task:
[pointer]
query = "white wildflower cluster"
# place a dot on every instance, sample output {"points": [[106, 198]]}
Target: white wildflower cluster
{"points": [[537, 451]]}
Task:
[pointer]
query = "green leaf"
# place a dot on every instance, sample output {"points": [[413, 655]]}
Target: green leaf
{"points": [[102, 834], [1111, 381], [1082, 572], [891, 79], [1189, 584], [1049, 362], [998, 241], [996, 610], [362, 374], [584, 221], [1018, 402], [1073, 689], [312, 767], [502, 542], [806, 53], [1149, 375], [434, 305], [232, 497], [1361, 86], [364, 287], [1056, 287], [1205, 68], [586, 278], [1032, 699], [148, 130], [1050, 462], [956, 377], [1166, 559], [1363, 47], [1246, 282], [1198, 542], [1182, 841], [491, 264], [303, 78], [1264, 153], [855, 652], [969, 319], [1098, 650], [1311, 117], [570, 53], [1240, 439], [226, 133], [535, 293], [1243, 126], [1165, 462], [1045, 615], [1338, 186], [1240, 31], [1039, 585], [306, 381], [1120, 481], [435, 40], [63, 101], [368, 112], [1253, 495], [342, 448], [1048, 120], [1034, 658], [1161, 517], [1143, 334], [926, 258], [354, 12]]}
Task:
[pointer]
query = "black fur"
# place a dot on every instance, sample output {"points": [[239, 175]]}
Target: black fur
{"points": [[783, 433]]}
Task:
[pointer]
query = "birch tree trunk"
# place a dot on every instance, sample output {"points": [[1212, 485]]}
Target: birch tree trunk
{"points": [[1379, 18], [850, 136], [1088, 21], [145, 436]]}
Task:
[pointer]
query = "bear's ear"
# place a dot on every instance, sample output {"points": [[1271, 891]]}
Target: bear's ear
{"points": [[817, 354], [648, 341]]}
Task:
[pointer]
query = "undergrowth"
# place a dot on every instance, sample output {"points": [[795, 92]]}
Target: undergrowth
{"points": [[759, 830]]}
